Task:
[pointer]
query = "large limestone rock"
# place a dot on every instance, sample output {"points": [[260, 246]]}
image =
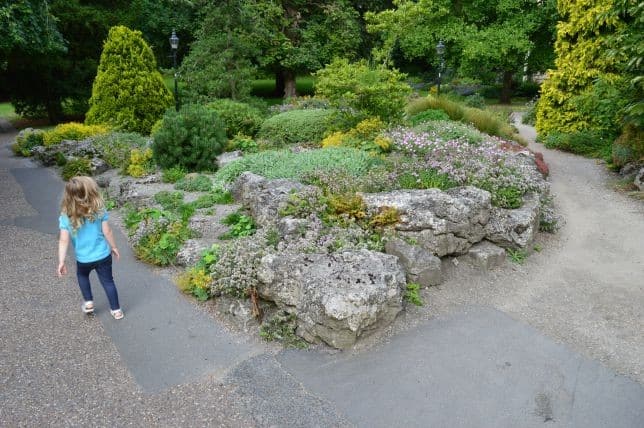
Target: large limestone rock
{"points": [[443, 223], [336, 297], [48, 156], [515, 228], [265, 198], [421, 266]]}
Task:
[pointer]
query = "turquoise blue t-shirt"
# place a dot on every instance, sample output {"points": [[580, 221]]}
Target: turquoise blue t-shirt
{"points": [[89, 242]]}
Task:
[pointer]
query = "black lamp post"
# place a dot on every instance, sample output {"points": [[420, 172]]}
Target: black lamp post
{"points": [[440, 51], [174, 45]]}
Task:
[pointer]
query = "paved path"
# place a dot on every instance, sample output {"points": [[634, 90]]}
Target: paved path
{"points": [[481, 361]]}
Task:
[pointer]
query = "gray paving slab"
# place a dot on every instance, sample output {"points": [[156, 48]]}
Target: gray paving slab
{"points": [[163, 339], [274, 398], [477, 368]]}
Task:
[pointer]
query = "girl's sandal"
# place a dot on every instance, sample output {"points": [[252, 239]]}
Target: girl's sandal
{"points": [[117, 314], [88, 307]]}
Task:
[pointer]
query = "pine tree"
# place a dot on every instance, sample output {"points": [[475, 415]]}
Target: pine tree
{"points": [[582, 38], [128, 92]]}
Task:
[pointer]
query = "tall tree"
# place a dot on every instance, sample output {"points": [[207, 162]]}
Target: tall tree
{"points": [[219, 64], [298, 36], [128, 92], [484, 39]]}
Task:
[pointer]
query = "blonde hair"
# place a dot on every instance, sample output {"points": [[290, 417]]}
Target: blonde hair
{"points": [[81, 201]]}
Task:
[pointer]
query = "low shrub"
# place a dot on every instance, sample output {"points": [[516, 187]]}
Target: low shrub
{"points": [[286, 164], [191, 138], [198, 279], [27, 140], [75, 167], [170, 201], [116, 147], [240, 225], [140, 163], [243, 143], [628, 147], [296, 126], [172, 175], [216, 197], [586, 143], [364, 136], [373, 91], [238, 117], [72, 131], [161, 242], [194, 183], [428, 115], [446, 130]]}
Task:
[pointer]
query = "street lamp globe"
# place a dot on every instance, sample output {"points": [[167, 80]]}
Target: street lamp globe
{"points": [[174, 41], [440, 48]]}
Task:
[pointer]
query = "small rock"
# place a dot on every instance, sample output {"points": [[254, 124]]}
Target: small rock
{"points": [[639, 179], [228, 157], [514, 228], [486, 255], [421, 266]]}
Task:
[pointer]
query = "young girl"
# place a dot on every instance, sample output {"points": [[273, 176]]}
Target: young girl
{"points": [[84, 220]]}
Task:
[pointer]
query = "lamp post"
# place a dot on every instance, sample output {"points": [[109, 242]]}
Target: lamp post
{"points": [[440, 51], [174, 45]]}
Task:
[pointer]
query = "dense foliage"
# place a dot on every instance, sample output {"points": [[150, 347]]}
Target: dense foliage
{"points": [[239, 118], [190, 138], [128, 91], [373, 91], [296, 126]]}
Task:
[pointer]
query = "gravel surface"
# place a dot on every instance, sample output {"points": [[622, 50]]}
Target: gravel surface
{"points": [[58, 366]]}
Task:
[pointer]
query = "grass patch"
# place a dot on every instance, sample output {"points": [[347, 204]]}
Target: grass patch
{"points": [[265, 88], [7, 111]]}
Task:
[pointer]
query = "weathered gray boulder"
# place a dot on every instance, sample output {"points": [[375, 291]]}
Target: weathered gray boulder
{"points": [[514, 228], [336, 297], [265, 198], [228, 157], [443, 223], [48, 156], [639, 179], [486, 255], [139, 191], [421, 266], [290, 227]]}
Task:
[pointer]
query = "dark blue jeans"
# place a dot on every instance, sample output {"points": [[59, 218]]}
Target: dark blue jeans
{"points": [[104, 271]]}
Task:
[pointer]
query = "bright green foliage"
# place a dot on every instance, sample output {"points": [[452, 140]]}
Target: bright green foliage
{"points": [[128, 91], [244, 143], [427, 115], [194, 183], [28, 25], [286, 164], [580, 46], [239, 118], [191, 138], [373, 91], [483, 39], [296, 126], [72, 131], [240, 225], [172, 175], [412, 294], [27, 141]]}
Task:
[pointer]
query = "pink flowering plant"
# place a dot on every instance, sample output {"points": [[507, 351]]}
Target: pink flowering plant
{"points": [[459, 162]]}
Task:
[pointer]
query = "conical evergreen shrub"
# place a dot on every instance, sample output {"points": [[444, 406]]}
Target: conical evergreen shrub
{"points": [[128, 91]]}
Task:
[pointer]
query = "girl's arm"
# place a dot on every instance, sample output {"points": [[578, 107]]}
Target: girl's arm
{"points": [[107, 232], [63, 243]]}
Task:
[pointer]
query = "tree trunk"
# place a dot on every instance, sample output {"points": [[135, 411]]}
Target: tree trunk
{"points": [[289, 84], [506, 90], [279, 83]]}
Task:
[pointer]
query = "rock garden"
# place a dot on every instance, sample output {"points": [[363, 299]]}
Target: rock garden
{"points": [[315, 235]]}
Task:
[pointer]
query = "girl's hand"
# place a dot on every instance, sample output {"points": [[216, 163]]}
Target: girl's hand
{"points": [[115, 251], [62, 269]]}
